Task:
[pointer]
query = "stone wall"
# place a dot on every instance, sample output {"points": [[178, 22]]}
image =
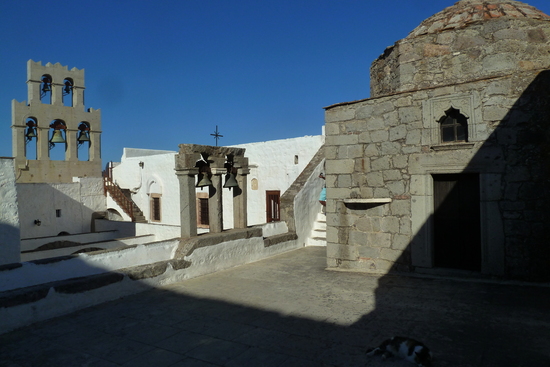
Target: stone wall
{"points": [[388, 148], [436, 54]]}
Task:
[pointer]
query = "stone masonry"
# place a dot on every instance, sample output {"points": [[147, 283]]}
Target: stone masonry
{"points": [[488, 60]]}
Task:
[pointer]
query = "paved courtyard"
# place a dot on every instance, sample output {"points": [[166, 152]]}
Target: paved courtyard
{"points": [[289, 311]]}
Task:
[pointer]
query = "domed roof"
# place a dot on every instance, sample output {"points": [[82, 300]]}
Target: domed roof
{"points": [[466, 12]]}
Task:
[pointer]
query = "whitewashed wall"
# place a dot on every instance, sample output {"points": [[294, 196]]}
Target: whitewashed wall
{"points": [[9, 214], [77, 202], [274, 165]]}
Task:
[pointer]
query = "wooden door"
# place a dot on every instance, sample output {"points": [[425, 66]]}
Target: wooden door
{"points": [[457, 232], [273, 201]]}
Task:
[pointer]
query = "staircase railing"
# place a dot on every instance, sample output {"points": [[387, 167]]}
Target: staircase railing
{"points": [[118, 196]]}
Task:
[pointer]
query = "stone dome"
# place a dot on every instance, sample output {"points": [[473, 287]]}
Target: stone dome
{"points": [[466, 12]]}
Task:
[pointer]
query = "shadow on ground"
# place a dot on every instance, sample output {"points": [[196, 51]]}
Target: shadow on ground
{"points": [[289, 311]]}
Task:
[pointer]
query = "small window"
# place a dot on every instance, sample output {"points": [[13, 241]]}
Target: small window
{"points": [[155, 208], [454, 127], [58, 213]]}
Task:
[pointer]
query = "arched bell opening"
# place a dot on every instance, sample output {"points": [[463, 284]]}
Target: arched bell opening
{"points": [[46, 89], [231, 175], [83, 141], [205, 174], [68, 92], [31, 138], [57, 140]]}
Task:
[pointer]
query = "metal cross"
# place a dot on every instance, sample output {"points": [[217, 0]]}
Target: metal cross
{"points": [[217, 135]]}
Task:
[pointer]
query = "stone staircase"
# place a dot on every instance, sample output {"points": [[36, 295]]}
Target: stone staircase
{"points": [[318, 236]]}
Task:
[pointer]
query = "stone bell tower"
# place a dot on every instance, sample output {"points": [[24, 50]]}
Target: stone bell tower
{"points": [[55, 120]]}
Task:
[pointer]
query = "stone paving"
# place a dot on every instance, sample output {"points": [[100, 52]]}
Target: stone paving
{"points": [[289, 311]]}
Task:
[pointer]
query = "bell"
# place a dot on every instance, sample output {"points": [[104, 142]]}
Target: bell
{"points": [[83, 136], [204, 181], [57, 137], [231, 181], [67, 88], [30, 133], [46, 87]]}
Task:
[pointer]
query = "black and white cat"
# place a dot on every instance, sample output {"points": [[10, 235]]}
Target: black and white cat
{"points": [[406, 348]]}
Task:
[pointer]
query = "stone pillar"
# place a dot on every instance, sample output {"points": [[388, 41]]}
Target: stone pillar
{"points": [[240, 212], [71, 153], [215, 208], [188, 204]]}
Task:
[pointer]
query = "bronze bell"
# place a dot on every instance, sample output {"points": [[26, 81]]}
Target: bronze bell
{"points": [[57, 137], [231, 181], [204, 181]]}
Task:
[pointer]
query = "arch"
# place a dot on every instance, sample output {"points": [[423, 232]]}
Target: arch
{"points": [[31, 134], [114, 215], [46, 88], [453, 126], [83, 141], [154, 190], [67, 94], [57, 136]]}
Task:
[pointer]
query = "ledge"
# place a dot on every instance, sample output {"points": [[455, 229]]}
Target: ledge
{"points": [[368, 203], [452, 146]]}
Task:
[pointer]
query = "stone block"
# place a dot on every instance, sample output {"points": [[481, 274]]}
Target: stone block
{"points": [[390, 148], [375, 123], [344, 181], [368, 252], [340, 166], [332, 234], [381, 192], [331, 152], [381, 108], [375, 179], [392, 175], [380, 164], [400, 207], [389, 254], [364, 224], [344, 252], [389, 224], [413, 137], [396, 187], [371, 150], [398, 132], [339, 193], [379, 136], [405, 226], [378, 239], [400, 161], [410, 114], [349, 139], [332, 128], [364, 112], [364, 137], [400, 242], [499, 62], [340, 113]]}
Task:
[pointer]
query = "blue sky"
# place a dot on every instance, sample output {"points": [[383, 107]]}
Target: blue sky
{"points": [[166, 72]]}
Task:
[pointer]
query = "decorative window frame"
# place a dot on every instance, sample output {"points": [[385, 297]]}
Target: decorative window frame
{"points": [[435, 108]]}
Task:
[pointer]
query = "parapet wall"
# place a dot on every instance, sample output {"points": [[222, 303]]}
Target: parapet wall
{"points": [[63, 285]]}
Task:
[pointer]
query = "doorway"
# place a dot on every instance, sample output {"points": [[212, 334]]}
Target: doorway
{"points": [[273, 202], [457, 228]]}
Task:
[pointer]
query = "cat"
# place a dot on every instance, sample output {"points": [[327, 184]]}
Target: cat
{"points": [[406, 348]]}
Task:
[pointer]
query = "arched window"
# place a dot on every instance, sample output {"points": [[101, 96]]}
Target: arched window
{"points": [[46, 89], [68, 92], [58, 137], [453, 126]]}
